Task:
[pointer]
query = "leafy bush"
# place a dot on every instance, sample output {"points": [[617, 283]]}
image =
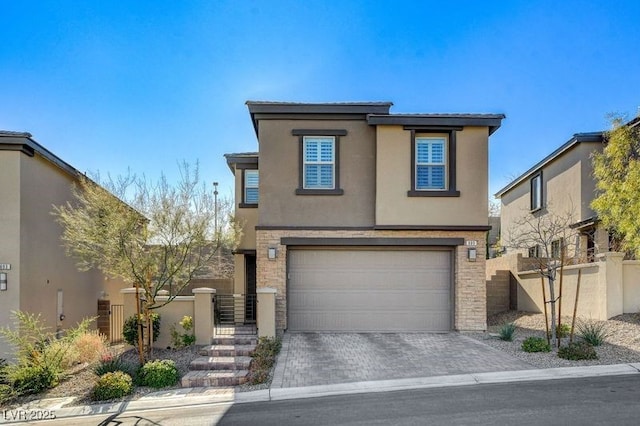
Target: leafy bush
{"points": [[159, 373], [577, 351], [3, 371], [535, 344], [130, 328], [507, 332], [30, 379], [179, 339], [60, 353], [593, 332], [563, 330], [112, 385], [264, 356], [5, 389]]}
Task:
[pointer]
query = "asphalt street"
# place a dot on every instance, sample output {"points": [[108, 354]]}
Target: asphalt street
{"points": [[588, 401]]}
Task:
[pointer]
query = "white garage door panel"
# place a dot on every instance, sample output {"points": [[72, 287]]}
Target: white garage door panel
{"points": [[369, 290]]}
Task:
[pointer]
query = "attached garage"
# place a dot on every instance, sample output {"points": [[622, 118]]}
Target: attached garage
{"points": [[365, 289]]}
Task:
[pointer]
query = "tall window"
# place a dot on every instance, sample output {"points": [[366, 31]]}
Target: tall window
{"points": [[536, 192], [251, 191], [431, 163], [319, 162]]}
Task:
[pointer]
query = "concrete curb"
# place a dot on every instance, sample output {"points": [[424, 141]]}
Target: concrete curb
{"points": [[199, 396]]}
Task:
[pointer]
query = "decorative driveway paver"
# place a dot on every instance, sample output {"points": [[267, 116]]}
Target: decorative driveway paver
{"points": [[309, 359]]}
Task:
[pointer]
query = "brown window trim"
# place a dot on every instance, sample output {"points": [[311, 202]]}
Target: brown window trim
{"points": [[244, 205], [336, 133], [451, 162]]}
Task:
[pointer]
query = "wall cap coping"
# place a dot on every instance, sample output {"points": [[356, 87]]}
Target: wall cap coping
{"points": [[176, 299], [203, 290], [163, 292], [266, 290], [129, 290]]}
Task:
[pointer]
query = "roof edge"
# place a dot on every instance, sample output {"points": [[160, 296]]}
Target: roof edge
{"points": [[575, 139]]}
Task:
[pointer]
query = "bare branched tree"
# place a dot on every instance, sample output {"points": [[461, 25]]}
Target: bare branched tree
{"points": [[553, 242], [154, 236]]}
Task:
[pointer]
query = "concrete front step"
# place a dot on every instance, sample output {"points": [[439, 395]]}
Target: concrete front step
{"points": [[235, 340], [220, 363], [227, 350], [214, 378]]}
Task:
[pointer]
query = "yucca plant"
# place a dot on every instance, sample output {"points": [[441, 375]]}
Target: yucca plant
{"points": [[507, 331]]}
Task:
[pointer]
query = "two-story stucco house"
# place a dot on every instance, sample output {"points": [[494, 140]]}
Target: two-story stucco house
{"points": [[362, 220], [35, 274], [559, 183]]}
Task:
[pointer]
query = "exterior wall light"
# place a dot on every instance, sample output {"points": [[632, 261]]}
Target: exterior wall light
{"points": [[272, 253], [3, 281], [472, 254]]}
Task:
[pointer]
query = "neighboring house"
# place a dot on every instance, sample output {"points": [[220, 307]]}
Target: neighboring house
{"points": [[36, 275], [560, 183], [362, 220]]}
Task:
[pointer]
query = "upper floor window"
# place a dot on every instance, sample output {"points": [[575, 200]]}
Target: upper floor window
{"points": [[534, 251], [251, 191], [319, 161], [536, 192], [431, 164]]}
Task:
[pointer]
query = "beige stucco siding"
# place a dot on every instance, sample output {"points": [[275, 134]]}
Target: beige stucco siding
{"points": [[10, 226], [247, 217], [279, 176], [568, 187], [44, 267], [393, 180]]}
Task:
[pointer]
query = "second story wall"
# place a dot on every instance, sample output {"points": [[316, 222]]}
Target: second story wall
{"points": [[280, 176], [568, 186], [394, 164], [246, 216]]}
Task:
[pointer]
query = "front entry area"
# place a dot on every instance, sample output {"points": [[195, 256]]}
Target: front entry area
{"points": [[369, 290]]}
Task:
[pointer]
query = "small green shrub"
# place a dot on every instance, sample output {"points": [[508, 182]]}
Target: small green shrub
{"points": [[507, 332], [593, 332], [130, 328], [563, 330], [159, 373], [31, 379], [112, 385], [577, 351], [5, 389], [535, 344], [180, 340], [3, 371]]}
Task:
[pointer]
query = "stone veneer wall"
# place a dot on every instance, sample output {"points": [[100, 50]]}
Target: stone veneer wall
{"points": [[469, 277]]}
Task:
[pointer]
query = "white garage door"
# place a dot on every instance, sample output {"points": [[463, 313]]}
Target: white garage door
{"points": [[369, 290]]}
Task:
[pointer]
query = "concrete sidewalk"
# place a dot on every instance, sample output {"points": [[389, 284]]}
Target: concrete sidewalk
{"points": [[200, 396]]}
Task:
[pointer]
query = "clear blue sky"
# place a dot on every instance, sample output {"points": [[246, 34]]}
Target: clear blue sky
{"points": [[146, 84]]}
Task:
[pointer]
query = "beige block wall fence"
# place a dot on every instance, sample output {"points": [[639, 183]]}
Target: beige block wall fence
{"points": [[608, 287], [200, 307], [469, 283]]}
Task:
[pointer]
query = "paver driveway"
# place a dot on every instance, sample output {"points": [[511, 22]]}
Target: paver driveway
{"points": [[309, 359]]}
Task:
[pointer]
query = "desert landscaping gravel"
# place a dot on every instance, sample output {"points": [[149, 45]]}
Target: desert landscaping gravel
{"points": [[622, 346]]}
